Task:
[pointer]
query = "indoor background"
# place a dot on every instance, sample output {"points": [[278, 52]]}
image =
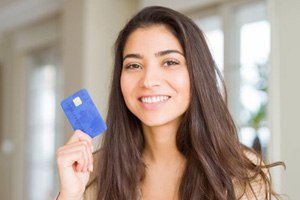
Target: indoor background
{"points": [[49, 49]]}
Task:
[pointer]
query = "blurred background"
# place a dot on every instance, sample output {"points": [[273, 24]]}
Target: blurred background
{"points": [[49, 49]]}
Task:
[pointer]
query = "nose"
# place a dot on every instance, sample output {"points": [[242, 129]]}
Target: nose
{"points": [[152, 77]]}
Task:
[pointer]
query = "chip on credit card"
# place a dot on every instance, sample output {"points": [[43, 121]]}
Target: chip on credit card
{"points": [[83, 114]]}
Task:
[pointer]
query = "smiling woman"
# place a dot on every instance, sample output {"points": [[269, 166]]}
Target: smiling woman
{"points": [[170, 134], [155, 82]]}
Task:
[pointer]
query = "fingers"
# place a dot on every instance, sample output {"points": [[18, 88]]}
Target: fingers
{"points": [[79, 136], [77, 153]]}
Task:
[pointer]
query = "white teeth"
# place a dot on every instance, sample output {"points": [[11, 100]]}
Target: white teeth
{"points": [[155, 99]]}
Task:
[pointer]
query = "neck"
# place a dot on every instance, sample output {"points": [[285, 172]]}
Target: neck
{"points": [[160, 145]]}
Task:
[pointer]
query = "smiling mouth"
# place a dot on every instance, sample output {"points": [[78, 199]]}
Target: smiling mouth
{"points": [[154, 99]]}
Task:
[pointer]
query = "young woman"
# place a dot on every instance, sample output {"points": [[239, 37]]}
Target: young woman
{"points": [[170, 135]]}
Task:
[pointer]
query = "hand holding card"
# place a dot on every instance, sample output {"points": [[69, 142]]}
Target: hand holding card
{"points": [[83, 114]]}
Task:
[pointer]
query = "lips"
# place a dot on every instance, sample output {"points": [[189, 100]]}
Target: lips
{"points": [[154, 99]]}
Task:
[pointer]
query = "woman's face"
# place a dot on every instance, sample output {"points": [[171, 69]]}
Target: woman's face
{"points": [[155, 81]]}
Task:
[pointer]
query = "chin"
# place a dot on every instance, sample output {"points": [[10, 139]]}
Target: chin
{"points": [[159, 122]]}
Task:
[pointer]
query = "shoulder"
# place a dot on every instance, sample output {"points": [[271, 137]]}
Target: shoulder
{"points": [[257, 186]]}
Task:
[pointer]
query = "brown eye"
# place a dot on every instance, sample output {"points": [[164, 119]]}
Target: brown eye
{"points": [[169, 63], [133, 66]]}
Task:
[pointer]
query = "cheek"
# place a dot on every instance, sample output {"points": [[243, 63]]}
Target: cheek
{"points": [[183, 83], [184, 88], [123, 86], [126, 86]]}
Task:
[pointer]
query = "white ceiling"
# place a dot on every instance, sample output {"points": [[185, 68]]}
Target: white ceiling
{"points": [[4, 3], [16, 13], [180, 5]]}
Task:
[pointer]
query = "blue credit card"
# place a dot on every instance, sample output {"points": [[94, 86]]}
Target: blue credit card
{"points": [[83, 114]]}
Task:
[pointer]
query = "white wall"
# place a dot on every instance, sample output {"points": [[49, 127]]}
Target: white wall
{"points": [[285, 93], [6, 155]]}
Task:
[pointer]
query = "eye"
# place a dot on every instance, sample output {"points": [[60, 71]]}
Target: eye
{"points": [[133, 66], [171, 62]]}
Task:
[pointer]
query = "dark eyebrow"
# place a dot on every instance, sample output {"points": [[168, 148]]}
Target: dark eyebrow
{"points": [[162, 53], [133, 55]]}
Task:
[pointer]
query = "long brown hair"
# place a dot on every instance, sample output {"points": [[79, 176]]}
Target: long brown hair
{"points": [[207, 136]]}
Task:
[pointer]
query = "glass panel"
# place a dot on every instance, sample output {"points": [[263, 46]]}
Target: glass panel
{"points": [[212, 28], [42, 130], [254, 54]]}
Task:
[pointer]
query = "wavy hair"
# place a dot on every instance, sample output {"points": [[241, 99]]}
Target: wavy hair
{"points": [[207, 136]]}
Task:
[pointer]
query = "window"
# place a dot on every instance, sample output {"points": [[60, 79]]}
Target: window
{"points": [[254, 48], [254, 96], [212, 28], [43, 126]]}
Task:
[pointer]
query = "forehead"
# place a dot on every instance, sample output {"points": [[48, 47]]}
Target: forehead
{"points": [[151, 38]]}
